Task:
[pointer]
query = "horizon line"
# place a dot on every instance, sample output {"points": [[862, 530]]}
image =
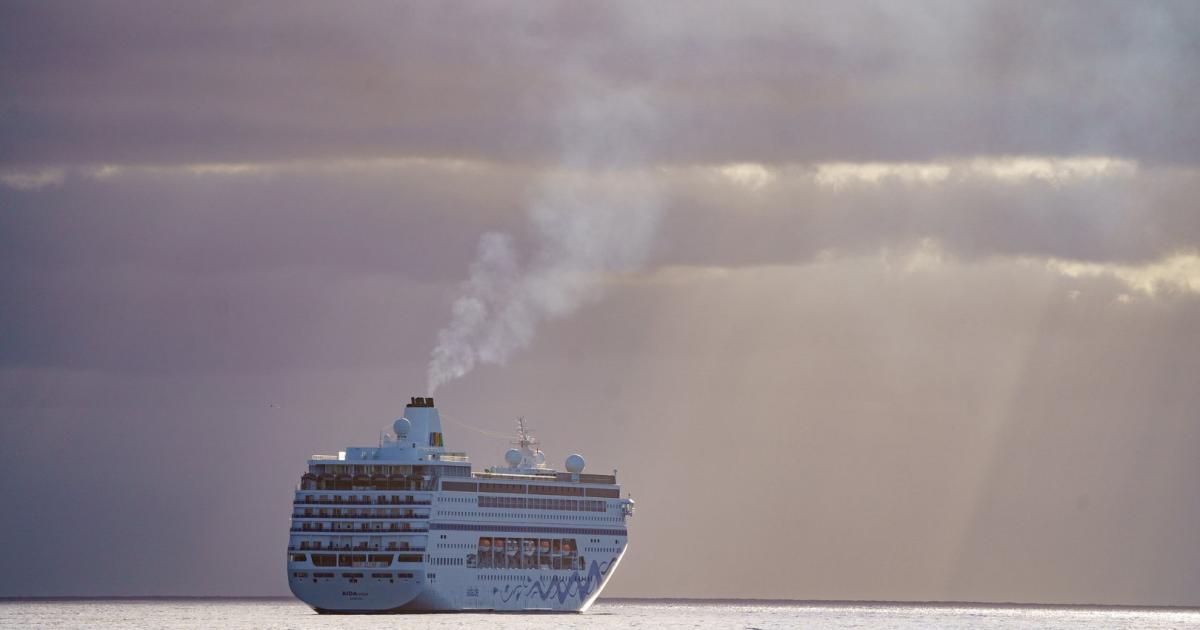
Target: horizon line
{"points": [[684, 600]]}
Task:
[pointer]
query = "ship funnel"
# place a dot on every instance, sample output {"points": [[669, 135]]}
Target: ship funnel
{"points": [[426, 423]]}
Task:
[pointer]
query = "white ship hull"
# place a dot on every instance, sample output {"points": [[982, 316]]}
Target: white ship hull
{"points": [[459, 590]]}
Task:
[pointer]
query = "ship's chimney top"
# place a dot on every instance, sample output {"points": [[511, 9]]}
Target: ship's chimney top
{"points": [[426, 424]]}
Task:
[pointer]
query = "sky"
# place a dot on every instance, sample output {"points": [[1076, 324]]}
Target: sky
{"points": [[887, 301]]}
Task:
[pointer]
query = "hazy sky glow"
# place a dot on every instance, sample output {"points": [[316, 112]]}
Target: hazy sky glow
{"points": [[916, 314]]}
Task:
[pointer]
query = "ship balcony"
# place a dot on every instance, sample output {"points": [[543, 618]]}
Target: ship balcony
{"points": [[332, 517], [392, 546], [381, 500], [330, 482], [392, 528], [365, 560], [366, 565]]}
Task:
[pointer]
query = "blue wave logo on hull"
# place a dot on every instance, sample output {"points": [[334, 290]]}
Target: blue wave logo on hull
{"points": [[558, 588]]}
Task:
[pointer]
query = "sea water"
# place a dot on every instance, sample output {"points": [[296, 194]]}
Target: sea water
{"points": [[606, 614]]}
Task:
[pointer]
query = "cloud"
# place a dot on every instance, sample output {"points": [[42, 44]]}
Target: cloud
{"points": [[748, 174], [34, 180], [1179, 273], [1095, 209], [1006, 169], [425, 215], [1054, 170], [326, 167], [769, 83], [842, 174]]}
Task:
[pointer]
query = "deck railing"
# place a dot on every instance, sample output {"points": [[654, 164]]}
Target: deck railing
{"points": [[348, 501], [328, 517], [385, 548], [394, 529]]}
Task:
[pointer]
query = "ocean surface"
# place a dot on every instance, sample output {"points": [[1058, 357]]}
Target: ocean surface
{"points": [[614, 614]]}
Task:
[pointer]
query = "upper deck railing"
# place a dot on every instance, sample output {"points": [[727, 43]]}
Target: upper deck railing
{"points": [[337, 500], [344, 483], [548, 476]]}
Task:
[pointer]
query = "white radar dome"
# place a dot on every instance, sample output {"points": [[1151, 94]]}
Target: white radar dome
{"points": [[512, 456], [575, 463], [402, 427]]}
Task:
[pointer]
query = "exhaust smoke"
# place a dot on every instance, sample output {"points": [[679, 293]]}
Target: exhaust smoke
{"points": [[594, 216]]}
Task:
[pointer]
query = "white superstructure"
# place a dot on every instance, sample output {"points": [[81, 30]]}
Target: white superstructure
{"points": [[408, 527]]}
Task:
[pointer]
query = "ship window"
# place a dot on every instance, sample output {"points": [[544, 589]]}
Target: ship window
{"points": [[324, 559], [502, 487], [385, 559], [322, 575], [381, 575], [556, 490], [351, 559], [299, 557]]}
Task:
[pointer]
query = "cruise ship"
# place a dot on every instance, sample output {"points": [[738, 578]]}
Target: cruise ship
{"points": [[407, 526]]}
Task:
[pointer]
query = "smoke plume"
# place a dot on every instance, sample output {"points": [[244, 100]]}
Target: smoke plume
{"points": [[594, 215]]}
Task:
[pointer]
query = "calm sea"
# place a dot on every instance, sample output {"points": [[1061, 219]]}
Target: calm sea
{"points": [[614, 614]]}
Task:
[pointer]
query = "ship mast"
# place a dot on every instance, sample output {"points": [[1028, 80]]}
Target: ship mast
{"points": [[531, 455], [525, 440]]}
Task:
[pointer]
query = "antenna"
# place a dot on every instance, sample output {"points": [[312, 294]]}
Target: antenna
{"points": [[524, 435], [530, 455]]}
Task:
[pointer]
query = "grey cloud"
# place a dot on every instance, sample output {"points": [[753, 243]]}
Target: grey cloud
{"points": [[184, 272], [406, 220], [138, 83], [1135, 218], [422, 220], [179, 272]]}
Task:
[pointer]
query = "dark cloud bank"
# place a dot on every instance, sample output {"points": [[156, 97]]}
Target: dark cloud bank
{"points": [[879, 389], [137, 82]]}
